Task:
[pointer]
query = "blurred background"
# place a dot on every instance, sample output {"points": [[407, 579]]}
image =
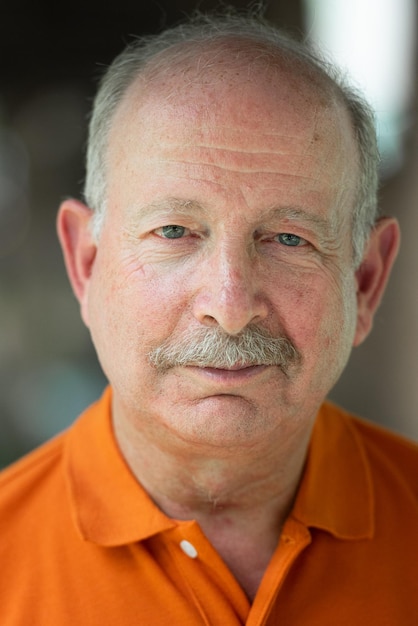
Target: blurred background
{"points": [[51, 56]]}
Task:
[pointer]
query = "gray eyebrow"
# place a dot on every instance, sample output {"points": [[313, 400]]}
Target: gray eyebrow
{"points": [[325, 228], [171, 204], [293, 214]]}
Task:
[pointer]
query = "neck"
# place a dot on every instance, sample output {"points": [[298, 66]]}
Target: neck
{"points": [[240, 497], [193, 481]]}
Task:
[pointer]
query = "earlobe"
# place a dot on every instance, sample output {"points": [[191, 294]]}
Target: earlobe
{"points": [[78, 247], [373, 273]]}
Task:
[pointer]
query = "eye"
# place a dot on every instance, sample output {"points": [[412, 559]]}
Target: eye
{"points": [[172, 231], [288, 239]]}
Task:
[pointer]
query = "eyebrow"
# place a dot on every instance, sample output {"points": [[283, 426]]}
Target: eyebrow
{"points": [[181, 206], [294, 214], [176, 205]]}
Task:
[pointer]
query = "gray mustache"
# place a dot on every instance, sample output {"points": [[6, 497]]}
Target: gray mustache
{"points": [[211, 347]]}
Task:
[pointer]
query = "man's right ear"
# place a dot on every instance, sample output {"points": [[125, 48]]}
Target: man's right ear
{"points": [[79, 248]]}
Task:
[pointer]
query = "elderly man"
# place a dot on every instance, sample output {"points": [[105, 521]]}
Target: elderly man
{"points": [[226, 262]]}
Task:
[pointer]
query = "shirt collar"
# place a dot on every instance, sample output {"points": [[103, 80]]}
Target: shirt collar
{"points": [[111, 508], [336, 491]]}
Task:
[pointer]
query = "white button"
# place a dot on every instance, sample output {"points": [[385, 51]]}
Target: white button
{"points": [[188, 549]]}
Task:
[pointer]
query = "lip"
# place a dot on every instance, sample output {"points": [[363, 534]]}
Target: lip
{"points": [[231, 376]]}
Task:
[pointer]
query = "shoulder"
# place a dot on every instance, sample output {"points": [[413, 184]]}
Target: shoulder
{"points": [[35, 476], [30, 475], [390, 454], [387, 453]]}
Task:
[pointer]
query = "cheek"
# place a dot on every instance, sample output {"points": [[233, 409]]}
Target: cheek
{"points": [[321, 322], [132, 306], [318, 312]]}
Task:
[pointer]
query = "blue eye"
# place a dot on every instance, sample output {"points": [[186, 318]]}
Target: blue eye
{"points": [[172, 231], [287, 239]]}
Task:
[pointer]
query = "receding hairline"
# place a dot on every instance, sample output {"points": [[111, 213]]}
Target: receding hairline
{"points": [[196, 61], [160, 52], [165, 76]]}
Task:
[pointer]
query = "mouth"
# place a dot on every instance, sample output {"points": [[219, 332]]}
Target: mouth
{"points": [[234, 368], [230, 375]]}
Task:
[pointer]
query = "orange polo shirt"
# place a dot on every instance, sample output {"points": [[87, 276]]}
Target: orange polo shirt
{"points": [[82, 544]]}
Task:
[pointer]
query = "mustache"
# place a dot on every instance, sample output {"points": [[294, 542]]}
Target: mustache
{"points": [[212, 347]]}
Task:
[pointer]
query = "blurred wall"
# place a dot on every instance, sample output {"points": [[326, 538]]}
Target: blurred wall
{"points": [[48, 369]]}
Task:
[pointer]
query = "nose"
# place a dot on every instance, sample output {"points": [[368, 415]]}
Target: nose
{"points": [[229, 294]]}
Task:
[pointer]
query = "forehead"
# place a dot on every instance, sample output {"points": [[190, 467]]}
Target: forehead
{"points": [[202, 74], [269, 113]]}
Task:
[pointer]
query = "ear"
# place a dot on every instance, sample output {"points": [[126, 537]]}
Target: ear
{"points": [[78, 247], [373, 273]]}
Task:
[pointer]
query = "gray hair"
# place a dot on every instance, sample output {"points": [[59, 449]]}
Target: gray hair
{"points": [[135, 58]]}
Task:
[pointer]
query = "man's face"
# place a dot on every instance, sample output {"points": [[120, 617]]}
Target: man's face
{"points": [[228, 207]]}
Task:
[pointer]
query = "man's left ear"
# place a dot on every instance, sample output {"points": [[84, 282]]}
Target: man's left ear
{"points": [[373, 273]]}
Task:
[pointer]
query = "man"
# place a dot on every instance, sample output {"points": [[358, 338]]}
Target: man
{"points": [[226, 261]]}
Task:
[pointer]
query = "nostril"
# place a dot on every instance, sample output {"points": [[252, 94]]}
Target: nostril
{"points": [[209, 320]]}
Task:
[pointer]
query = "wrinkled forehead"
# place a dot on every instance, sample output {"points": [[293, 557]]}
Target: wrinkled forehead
{"points": [[235, 80], [244, 95]]}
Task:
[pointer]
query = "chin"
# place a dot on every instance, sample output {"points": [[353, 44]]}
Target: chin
{"points": [[224, 421]]}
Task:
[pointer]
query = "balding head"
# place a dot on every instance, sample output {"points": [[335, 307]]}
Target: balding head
{"points": [[229, 52]]}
